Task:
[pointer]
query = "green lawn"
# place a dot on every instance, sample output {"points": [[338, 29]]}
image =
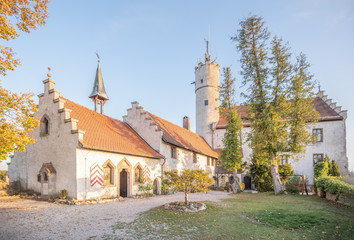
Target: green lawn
{"points": [[247, 216]]}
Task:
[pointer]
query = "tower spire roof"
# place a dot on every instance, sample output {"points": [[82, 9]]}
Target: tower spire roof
{"points": [[98, 86]]}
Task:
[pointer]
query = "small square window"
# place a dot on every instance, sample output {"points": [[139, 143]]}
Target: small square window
{"points": [[194, 158], [208, 161], [201, 80], [206, 102], [318, 157], [173, 153], [318, 134]]}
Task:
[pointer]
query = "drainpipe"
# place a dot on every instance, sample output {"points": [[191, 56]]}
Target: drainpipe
{"points": [[162, 165]]}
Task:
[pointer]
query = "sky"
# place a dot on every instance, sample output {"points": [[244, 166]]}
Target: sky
{"points": [[149, 49]]}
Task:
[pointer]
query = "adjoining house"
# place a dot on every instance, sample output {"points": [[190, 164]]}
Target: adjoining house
{"points": [[330, 130]]}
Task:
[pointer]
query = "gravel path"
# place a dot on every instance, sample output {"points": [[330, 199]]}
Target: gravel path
{"points": [[28, 219]]}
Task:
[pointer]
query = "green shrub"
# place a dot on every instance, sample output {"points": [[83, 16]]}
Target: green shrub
{"points": [[261, 176], [334, 169], [146, 189], [63, 193], [334, 186], [291, 188], [321, 169], [294, 180], [226, 188]]}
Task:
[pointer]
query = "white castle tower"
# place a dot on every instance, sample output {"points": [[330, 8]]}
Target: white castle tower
{"points": [[207, 84]]}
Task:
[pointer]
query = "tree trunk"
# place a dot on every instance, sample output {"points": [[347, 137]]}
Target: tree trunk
{"points": [[235, 185], [186, 197], [278, 186]]}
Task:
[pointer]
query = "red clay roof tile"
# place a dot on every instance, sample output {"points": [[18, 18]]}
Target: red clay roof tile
{"points": [[108, 134], [325, 111], [183, 138]]}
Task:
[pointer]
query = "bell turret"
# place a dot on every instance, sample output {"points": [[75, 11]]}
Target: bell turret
{"points": [[98, 95]]}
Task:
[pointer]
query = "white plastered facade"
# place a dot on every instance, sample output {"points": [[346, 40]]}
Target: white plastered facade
{"points": [[61, 148]]}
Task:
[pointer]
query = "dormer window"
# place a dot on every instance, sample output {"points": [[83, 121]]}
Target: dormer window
{"points": [[44, 126]]}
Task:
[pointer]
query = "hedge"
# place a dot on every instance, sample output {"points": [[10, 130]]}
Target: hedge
{"points": [[334, 186]]}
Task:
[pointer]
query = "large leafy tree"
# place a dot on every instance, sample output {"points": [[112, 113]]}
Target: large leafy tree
{"points": [[17, 110], [278, 96], [231, 154]]}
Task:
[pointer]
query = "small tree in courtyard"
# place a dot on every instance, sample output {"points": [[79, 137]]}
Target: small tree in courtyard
{"points": [[190, 181]]}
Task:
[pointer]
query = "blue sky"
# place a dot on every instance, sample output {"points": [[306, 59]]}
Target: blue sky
{"points": [[149, 49]]}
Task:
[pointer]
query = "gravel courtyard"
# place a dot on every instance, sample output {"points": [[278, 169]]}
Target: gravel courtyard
{"points": [[28, 219]]}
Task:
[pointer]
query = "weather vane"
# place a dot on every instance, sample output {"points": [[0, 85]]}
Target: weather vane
{"points": [[98, 57]]}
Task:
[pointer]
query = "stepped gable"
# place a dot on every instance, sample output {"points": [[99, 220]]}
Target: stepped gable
{"points": [[328, 111], [108, 134], [182, 137]]}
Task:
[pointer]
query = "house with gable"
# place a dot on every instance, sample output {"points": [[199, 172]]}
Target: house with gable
{"points": [[92, 155]]}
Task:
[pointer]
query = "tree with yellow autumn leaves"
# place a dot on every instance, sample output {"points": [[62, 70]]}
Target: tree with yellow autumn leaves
{"points": [[17, 110]]}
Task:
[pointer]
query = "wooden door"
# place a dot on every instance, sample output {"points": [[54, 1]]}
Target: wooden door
{"points": [[123, 192], [247, 181]]}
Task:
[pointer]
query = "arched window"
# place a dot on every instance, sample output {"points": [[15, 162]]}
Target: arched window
{"points": [[44, 126], [138, 174], [108, 178]]}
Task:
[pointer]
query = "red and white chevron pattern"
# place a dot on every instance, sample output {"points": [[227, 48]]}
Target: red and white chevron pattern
{"points": [[147, 177], [96, 175]]}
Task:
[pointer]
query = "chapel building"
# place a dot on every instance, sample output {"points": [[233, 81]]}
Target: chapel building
{"points": [[92, 155]]}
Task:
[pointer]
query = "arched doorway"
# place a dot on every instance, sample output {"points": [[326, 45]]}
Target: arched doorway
{"points": [[123, 192]]}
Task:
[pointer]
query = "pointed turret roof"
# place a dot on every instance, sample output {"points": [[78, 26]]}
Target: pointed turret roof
{"points": [[98, 86]]}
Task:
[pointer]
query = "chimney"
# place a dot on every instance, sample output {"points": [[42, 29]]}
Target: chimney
{"points": [[186, 123]]}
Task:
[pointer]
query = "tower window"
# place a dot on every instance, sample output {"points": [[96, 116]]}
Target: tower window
{"points": [[201, 80], [206, 102]]}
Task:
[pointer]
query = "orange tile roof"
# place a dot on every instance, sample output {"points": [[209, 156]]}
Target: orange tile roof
{"points": [[108, 134], [325, 111], [182, 137]]}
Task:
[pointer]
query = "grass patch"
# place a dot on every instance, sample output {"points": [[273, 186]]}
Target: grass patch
{"points": [[247, 216]]}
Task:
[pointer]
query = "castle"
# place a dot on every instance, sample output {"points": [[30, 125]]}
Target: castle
{"points": [[92, 155]]}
